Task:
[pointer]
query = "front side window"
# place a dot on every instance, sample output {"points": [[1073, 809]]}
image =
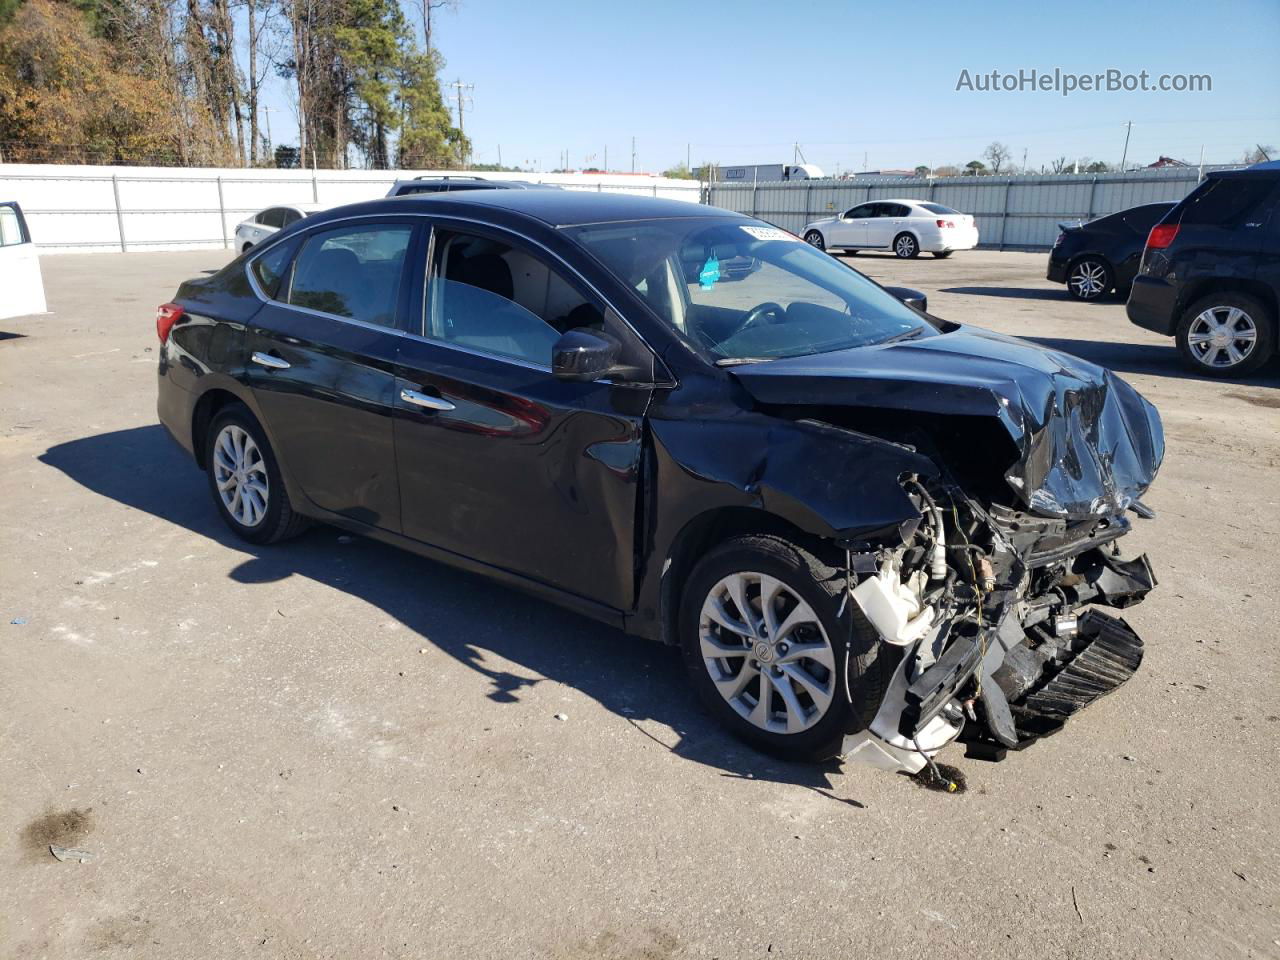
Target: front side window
{"points": [[492, 297], [861, 213], [741, 290], [11, 232], [352, 272]]}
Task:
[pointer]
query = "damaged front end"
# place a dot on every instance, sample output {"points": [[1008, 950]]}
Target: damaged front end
{"points": [[990, 608]]}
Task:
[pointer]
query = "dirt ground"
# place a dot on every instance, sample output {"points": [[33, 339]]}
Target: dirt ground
{"points": [[334, 749]]}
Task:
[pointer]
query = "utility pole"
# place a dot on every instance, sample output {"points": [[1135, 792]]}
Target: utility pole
{"points": [[463, 100], [1200, 172], [688, 153], [606, 158], [633, 154], [1128, 127], [1024, 159], [499, 155]]}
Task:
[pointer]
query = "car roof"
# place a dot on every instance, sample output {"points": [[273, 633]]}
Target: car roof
{"points": [[556, 208], [1268, 170]]}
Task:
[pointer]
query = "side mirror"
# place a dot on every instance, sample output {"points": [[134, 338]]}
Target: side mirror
{"points": [[912, 298], [583, 355]]}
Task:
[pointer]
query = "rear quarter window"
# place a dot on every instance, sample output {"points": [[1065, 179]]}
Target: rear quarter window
{"points": [[1225, 202]]}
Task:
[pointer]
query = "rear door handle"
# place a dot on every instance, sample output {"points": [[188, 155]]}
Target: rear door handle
{"points": [[270, 362], [425, 400]]}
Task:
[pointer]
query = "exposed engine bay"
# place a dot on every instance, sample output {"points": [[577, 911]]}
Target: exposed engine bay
{"points": [[990, 608]]}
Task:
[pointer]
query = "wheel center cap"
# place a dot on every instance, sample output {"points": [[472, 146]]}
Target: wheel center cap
{"points": [[1221, 338], [763, 651]]}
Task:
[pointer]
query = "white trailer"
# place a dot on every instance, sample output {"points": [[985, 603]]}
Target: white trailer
{"points": [[760, 172]]}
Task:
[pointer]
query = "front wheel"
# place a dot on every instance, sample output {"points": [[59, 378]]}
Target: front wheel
{"points": [[772, 656], [906, 246], [244, 479], [814, 238], [1226, 335]]}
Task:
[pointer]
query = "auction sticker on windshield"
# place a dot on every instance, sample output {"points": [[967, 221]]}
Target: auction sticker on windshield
{"points": [[770, 233]]}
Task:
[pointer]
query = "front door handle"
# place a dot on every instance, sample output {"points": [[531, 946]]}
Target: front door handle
{"points": [[270, 362], [425, 400]]}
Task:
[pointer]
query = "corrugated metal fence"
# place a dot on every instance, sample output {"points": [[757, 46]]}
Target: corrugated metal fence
{"points": [[88, 208], [1013, 213]]}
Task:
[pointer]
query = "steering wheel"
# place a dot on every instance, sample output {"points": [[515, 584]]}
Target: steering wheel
{"points": [[758, 314]]}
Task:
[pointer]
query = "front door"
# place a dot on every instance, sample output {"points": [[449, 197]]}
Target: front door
{"points": [[851, 229], [499, 461], [884, 224], [21, 286], [320, 359]]}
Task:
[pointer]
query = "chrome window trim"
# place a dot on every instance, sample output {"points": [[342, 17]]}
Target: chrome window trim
{"points": [[431, 218]]}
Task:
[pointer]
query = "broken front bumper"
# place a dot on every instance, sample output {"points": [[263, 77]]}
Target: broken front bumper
{"points": [[1015, 678]]}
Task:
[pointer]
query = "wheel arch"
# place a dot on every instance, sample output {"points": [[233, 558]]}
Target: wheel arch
{"points": [[911, 232], [1250, 287], [706, 531]]}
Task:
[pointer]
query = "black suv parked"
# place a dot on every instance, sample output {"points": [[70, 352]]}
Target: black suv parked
{"points": [[1210, 274], [1094, 258], [450, 184]]}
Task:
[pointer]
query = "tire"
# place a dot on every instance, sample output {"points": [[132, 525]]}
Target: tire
{"points": [[1233, 313], [263, 514], [246, 248], [1090, 279], [906, 246], [942, 254], [821, 714], [814, 239]]}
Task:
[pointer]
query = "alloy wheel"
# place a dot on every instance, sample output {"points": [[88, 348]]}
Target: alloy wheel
{"points": [[1088, 280], [814, 238], [905, 246], [767, 653], [1222, 337], [241, 475]]}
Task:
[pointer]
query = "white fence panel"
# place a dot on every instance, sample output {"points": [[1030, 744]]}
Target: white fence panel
{"points": [[85, 208]]}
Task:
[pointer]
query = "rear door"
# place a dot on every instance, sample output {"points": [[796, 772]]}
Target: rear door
{"points": [[21, 285], [321, 364], [499, 461], [889, 221]]}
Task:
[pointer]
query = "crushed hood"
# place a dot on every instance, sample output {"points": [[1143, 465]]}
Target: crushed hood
{"points": [[1088, 443]]}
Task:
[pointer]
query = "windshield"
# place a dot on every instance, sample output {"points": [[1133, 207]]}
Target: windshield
{"points": [[743, 290]]}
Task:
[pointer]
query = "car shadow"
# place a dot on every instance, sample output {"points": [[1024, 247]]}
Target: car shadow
{"points": [[464, 615], [1018, 293], [9, 335], [1158, 360]]}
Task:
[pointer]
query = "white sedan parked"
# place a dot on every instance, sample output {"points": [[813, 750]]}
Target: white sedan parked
{"points": [[904, 226], [266, 222]]}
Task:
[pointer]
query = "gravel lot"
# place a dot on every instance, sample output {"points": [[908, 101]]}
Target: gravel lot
{"points": [[334, 749]]}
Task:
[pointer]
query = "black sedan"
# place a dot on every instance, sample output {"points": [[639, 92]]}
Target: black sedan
{"points": [[1103, 255], [862, 524]]}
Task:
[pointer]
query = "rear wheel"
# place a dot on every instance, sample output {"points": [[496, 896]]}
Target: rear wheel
{"points": [[1226, 335], [244, 479], [1089, 279], [771, 653], [906, 246], [814, 238]]}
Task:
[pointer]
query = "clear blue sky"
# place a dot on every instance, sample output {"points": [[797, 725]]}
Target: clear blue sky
{"points": [[741, 82]]}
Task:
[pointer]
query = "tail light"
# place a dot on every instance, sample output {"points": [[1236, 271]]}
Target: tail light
{"points": [[1161, 236], [166, 316], [1059, 238], [946, 223]]}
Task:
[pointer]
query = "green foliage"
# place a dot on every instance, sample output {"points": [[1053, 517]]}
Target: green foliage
{"points": [[679, 172]]}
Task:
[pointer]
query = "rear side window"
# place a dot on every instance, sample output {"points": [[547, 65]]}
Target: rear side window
{"points": [[939, 209], [352, 272], [290, 216], [1224, 202], [11, 232], [273, 217]]}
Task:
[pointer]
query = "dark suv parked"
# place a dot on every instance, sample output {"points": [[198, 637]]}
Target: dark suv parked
{"points": [[1210, 274], [1094, 258], [450, 184]]}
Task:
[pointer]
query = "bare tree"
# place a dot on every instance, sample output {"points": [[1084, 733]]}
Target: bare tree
{"points": [[997, 155], [1059, 165], [428, 7]]}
